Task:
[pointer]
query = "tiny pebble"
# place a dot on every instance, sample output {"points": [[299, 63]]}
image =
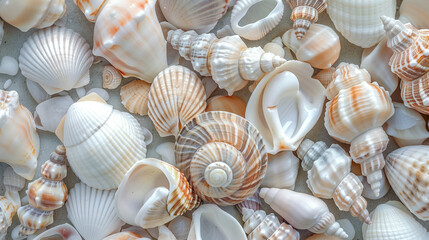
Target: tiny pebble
{"points": [[9, 66], [7, 84], [101, 92], [80, 92]]}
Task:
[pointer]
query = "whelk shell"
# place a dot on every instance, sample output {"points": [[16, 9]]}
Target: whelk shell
{"points": [[135, 96], [305, 13]]}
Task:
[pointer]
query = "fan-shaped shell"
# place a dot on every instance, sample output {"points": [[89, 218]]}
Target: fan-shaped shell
{"points": [[415, 12], [223, 156], [407, 170], [175, 97], [415, 94], [304, 13], [135, 97], [57, 58]]}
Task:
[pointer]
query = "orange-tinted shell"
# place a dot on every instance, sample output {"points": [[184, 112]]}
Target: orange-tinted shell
{"points": [[124, 236], [346, 76], [304, 13], [90, 8], [135, 96], [231, 104], [325, 76], [415, 94]]}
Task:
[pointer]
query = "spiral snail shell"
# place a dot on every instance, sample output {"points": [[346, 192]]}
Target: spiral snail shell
{"points": [[304, 13]]}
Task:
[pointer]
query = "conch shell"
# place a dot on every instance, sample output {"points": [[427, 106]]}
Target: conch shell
{"points": [[305, 13]]}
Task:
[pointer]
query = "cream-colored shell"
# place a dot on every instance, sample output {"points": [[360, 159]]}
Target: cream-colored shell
{"points": [[282, 171], [415, 94], [415, 12], [304, 13], [325, 76], [65, 231], [135, 97], [111, 77]]}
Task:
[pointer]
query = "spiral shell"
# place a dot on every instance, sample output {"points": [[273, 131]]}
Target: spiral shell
{"points": [[304, 13], [111, 77], [415, 94], [223, 156], [135, 97]]}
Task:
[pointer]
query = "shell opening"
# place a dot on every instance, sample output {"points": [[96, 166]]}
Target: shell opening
{"points": [[218, 174]]}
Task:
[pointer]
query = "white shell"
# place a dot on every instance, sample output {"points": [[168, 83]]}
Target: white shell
{"points": [[92, 211], [100, 92], [415, 12], [166, 151], [198, 15], [209, 222], [254, 23], [282, 171], [406, 126], [56, 58], [9, 66], [359, 20], [49, 113], [286, 105], [180, 227], [64, 231], [90, 8], [165, 233], [7, 84], [392, 221], [367, 191], [275, 47], [37, 92]]}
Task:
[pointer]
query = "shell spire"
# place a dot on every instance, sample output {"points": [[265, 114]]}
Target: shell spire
{"points": [[228, 60], [329, 176], [305, 13]]}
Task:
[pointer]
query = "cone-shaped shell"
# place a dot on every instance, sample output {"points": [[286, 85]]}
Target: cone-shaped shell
{"points": [[19, 142], [305, 13], [135, 96], [223, 156], [407, 170], [415, 94], [175, 97]]}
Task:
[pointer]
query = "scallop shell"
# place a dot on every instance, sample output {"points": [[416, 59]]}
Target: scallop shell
{"points": [[223, 156], [175, 97], [415, 12], [49, 113], [209, 222], [254, 23], [406, 126], [27, 14], [286, 105], [200, 15], [92, 212], [415, 94], [359, 20], [130, 38], [57, 58], [64, 231], [320, 47], [232, 104], [392, 221], [19, 142], [90, 8], [407, 171], [282, 171], [304, 13], [111, 77], [135, 97], [153, 193]]}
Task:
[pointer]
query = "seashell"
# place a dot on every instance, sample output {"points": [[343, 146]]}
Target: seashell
{"points": [[345, 224], [359, 20], [93, 134], [254, 23], [153, 193], [282, 171], [7, 84], [130, 38], [392, 221], [253, 203], [227, 60], [167, 152], [320, 47], [37, 92], [45, 194], [64, 231], [275, 47], [410, 49], [367, 191], [165, 233], [209, 222], [49, 113], [200, 15], [407, 172], [111, 77], [100, 92], [325, 76], [302, 211], [232, 104], [134, 96], [223, 156], [90, 8], [130, 233], [180, 227], [304, 13], [286, 105], [41, 54], [415, 94], [92, 211], [175, 97], [27, 14], [406, 126], [330, 177], [9, 66], [376, 61], [415, 12], [19, 142], [355, 115]]}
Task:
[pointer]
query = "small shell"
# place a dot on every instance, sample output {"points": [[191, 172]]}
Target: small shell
{"points": [[408, 173], [304, 13], [320, 47], [367, 191], [275, 47], [209, 85], [175, 97], [282, 171], [135, 96], [325, 76], [345, 224], [254, 23], [232, 104], [251, 203], [223, 156], [415, 12], [7, 84], [90, 8], [180, 227], [9, 66], [111, 77], [415, 94], [49, 113], [64, 231], [37, 92]]}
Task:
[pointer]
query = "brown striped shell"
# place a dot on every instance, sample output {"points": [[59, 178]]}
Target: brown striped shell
{"points": [[223, 156], [135, 96], [304, 13], [415, 94]]}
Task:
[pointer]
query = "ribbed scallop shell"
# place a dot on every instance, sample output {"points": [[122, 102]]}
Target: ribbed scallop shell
{"points": [[415, 94], [175, 97], [111, 77], [92, 212], [102, 143], [127, 33], [90, 8], [198, 15], [152, 193], [135, 97], [223, 156], [415, 12], [27, 14], [304, 13], [407, 170], [57, 58], [359, 20]]}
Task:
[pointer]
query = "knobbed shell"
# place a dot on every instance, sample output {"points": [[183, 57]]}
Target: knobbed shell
{"points": [[223, 156], [27, 14], [111, 77], [153, 193], [57, 58], [254, 23], [135, 97], [408, 174], [415, 12], [175, 97], [320, 47], [19, 142], [304, 13], [415, 94]]}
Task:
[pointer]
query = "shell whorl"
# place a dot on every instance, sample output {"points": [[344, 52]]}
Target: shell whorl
{"points": [[309, 152], [415, 94], [304, 13], [251, 203], [400, 35]]}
